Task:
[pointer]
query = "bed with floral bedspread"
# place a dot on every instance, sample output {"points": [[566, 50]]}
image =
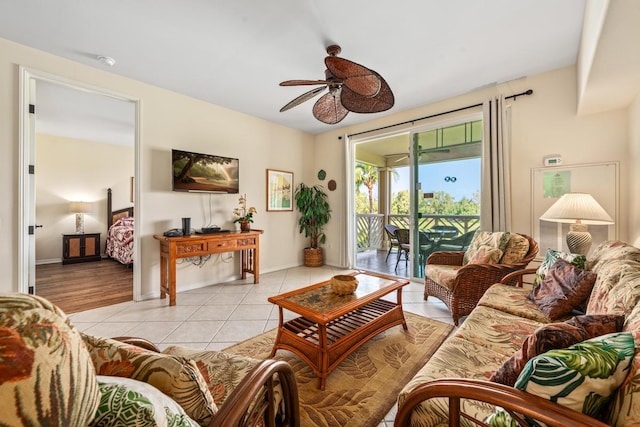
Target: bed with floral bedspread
{"points": [[120, 241]]}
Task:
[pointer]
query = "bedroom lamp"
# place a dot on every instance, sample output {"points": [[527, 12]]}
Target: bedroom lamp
{"points": [[80, 208], [580, 210]]}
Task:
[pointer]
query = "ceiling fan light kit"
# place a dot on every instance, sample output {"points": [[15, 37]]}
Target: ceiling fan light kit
{"points": [[352, 87]]}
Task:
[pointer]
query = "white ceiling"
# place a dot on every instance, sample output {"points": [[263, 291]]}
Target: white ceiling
{"points": [[234, 53]]}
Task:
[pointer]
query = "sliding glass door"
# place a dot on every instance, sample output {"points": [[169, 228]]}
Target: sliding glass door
{"points": [[426, 181], [445, 190]]}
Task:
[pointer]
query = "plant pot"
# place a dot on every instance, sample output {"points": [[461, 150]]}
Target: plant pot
{"points": [[245, 226], [313, 257]]}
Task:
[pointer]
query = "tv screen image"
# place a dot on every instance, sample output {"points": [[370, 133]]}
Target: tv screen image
{"points": [[204, 172]]}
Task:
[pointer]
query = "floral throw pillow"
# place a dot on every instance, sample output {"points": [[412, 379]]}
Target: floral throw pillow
{"points": [[564, 288], [551, 257], [497, 239], [554, 336], [127, 402], [582, 377], [485, 255], [516, 249], [177, 377], [46, 374]]}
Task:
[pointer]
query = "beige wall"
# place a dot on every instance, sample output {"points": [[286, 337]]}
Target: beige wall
{"points": [[74, 170], [168, 121], [634, 173], [542, 124]]}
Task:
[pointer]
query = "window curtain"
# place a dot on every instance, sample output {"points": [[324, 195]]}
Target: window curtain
{"points": [[348, 255], [495, 204]]}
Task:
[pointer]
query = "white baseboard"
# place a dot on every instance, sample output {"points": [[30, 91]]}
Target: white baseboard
{"points": [[49, 261]]}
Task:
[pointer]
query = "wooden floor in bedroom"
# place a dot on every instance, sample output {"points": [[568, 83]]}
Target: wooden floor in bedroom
{"points": [[85, 286]]}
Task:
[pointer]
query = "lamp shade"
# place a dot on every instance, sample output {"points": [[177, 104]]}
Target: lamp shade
{"points": [[581, 207], [80, 207]]}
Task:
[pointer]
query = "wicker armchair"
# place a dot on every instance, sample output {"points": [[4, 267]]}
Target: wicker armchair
{"points": [[471, 280]]}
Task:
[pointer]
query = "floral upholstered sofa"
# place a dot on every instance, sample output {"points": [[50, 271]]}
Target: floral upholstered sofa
{"points": [[51, 374], [519, 360]]}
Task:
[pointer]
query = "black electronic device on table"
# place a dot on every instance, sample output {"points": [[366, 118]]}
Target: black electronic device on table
{"points": [[211, 230]]}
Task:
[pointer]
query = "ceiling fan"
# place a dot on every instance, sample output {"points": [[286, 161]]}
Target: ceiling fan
{"points": [[352, 87]]}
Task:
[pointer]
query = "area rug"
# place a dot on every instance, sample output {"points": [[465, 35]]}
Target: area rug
{"points": [[364, 388]]}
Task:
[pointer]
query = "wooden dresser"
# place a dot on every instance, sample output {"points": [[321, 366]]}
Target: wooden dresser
{"points": [[174, 248]]}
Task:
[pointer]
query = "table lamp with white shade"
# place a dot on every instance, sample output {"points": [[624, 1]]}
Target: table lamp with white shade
{"points": [[580, 210], [80, 208]]}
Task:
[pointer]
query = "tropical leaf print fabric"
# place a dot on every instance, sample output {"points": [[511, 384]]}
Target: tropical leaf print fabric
{"points": [[126, 402], [46, 374], [505, 317], [516, 249], [495, 239], [550, 257], [221, 371], [175, 376], [583, 376], [554, 336], [564, 289]]}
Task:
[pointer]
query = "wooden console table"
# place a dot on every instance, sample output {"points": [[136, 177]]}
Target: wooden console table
{"points": [[173, 248]]}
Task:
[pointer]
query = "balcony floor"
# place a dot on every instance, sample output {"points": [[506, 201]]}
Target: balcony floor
{"points": [[375, 261]]}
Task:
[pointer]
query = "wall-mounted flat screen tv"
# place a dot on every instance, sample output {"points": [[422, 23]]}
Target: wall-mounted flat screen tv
{"points": [[198, 172]]}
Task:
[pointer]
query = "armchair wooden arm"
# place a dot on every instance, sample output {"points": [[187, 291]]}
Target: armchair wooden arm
{"points": [[253, 398], [516, 402], [508, 279]]}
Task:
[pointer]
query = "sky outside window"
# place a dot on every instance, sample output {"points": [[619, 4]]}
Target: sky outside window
{"points": [[433, 178]]}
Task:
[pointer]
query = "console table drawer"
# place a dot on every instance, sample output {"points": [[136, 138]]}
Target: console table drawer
{"points": [[246, 242], [222, 245], [192, 248]]}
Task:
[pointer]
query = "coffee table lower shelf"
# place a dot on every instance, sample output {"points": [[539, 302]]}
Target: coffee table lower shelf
{"points": [[324, 346]]}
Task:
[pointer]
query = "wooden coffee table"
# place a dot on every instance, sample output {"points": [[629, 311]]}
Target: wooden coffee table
{"points": [[332, 326]]}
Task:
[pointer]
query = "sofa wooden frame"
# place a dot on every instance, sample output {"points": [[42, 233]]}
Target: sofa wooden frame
{"points": [[517, 403]]}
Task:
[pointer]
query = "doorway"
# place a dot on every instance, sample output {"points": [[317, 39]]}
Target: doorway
{"points": [[61, 166], [428, 182]]}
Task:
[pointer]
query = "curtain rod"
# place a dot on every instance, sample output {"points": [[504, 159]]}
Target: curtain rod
{"points": [[527, 92]]}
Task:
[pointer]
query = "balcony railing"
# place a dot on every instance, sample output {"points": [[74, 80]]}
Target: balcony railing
{"points": [[370, 227]]}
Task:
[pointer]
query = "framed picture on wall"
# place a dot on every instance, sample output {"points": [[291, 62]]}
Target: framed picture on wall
{"points": [[279, 190], [550, 183]]}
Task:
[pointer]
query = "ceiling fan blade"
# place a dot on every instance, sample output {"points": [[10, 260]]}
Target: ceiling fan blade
{"points": [[304, 97], [357, 103], [328, 108], [303, 82], [356, 77]]}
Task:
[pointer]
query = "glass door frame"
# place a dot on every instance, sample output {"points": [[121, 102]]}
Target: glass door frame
{"points": [[415, 186]]}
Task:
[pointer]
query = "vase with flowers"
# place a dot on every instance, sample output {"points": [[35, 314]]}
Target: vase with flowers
{"points": [[243, 214]]}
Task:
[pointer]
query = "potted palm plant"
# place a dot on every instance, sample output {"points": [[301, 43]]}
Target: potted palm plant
{"points": [[314, 210]]}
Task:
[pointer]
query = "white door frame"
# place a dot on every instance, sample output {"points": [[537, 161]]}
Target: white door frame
{"points": [[26, 190]]}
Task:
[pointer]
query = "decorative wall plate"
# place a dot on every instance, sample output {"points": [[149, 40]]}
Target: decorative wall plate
{"points": [[322, 174], [332, 185]]}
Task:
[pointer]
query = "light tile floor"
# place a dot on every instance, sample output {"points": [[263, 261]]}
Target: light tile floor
{"points": [[217, 316]]}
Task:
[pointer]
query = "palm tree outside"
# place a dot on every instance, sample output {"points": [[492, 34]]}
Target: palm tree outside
{"points": [[367, 175]]}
